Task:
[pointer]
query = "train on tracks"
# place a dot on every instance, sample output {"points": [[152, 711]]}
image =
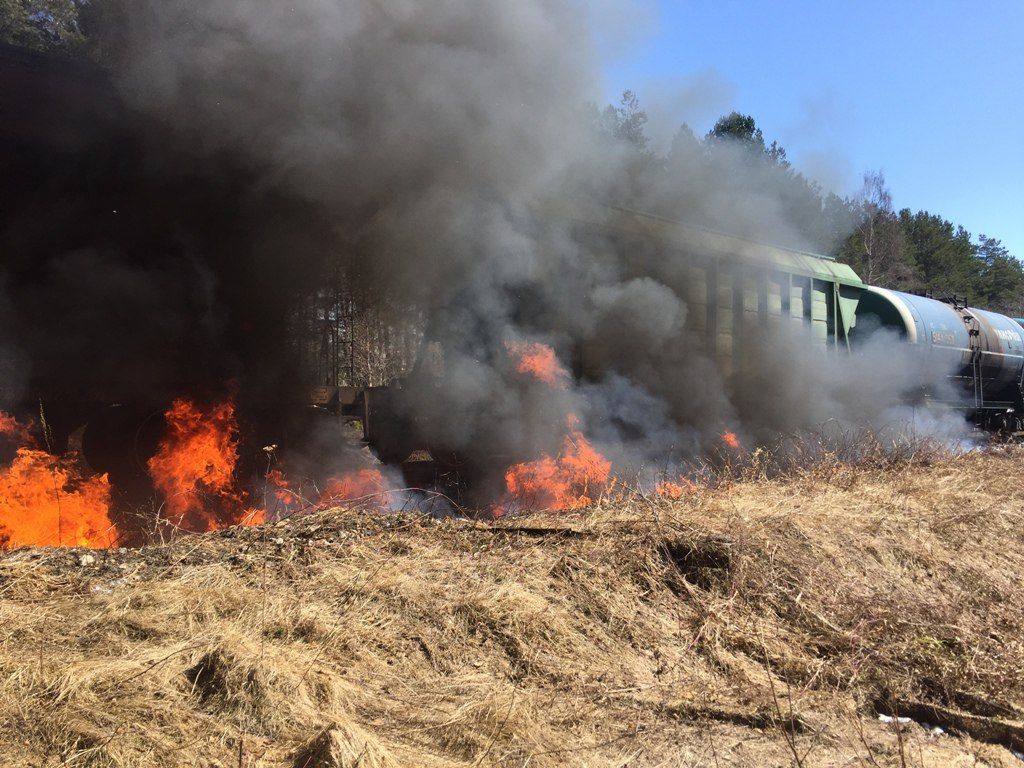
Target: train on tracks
{"points": [[57, 113], [735, 288]]}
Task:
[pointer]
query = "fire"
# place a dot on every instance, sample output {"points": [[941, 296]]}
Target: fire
{"points": [[354, 485], [194, 468], [539, 361], [730, 439], [45, 500], [282, 488], [251, 516], [567, 481], [14, 431], [675, 490]]}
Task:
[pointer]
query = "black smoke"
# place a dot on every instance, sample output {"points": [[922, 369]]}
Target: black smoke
{"points": [[424, 147]]}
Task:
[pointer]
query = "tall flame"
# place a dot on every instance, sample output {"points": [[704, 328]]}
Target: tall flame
{"points": [[539, 361], [46, 501], [567, 481], [194, 468], [730, 439], [195, 465]]}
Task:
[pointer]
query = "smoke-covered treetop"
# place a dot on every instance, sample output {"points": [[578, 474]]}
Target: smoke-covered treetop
{"points": [[897, 249], [890, 248], [409, 151]]}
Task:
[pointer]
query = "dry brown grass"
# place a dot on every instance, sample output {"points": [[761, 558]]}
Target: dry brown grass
{"points": [[763, 623]]}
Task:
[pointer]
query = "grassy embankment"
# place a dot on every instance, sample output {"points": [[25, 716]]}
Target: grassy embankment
{"points": [[762, 623]]}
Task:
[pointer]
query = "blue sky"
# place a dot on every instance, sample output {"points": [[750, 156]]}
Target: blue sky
{"points": [[929, 91]]}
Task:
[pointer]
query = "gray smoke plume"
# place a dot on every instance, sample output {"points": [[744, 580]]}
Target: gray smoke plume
{"points": [[420, 145], [430, 137]]}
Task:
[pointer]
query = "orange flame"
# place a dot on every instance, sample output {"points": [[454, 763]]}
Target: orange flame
{"points": [[539, 361], [194, 468], [45, 500], [281, 492], [14, 431], [564, 482], [250, 516], [675, 490], [354, 485], [730, 439]]}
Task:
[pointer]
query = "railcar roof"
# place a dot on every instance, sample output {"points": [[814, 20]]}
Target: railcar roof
{"points": [[699, 239]]}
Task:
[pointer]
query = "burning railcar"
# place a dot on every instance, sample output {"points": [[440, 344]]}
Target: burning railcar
{"points": [[145, 395], [737, 288]]}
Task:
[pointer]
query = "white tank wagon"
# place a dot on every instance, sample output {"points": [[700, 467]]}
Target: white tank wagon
{"points": [[982, 351], [735, 289]]}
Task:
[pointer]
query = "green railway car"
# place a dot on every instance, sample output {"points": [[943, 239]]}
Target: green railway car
{"points": [[735, 288], [731, 285]]}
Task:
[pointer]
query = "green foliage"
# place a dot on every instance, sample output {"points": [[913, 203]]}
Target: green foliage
{"points": [[627, 121], [743, 130], [942, 252], [901, 250], [876, 246], [737, 127], [915, 251], [1001, 282], [754, 183]]}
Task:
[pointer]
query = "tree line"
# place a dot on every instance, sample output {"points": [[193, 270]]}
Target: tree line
{"points": [[721, 180], [731, 178], [899, 249]]}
